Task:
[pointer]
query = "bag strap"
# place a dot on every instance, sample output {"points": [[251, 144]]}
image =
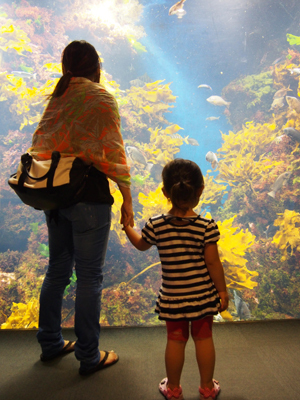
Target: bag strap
{"points": [[26, 160]]}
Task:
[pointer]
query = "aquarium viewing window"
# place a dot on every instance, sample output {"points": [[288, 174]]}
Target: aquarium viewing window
{"points": [[216, 82]]}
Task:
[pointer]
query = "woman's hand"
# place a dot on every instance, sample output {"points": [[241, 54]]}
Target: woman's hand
{"points": [[126, 208], [127, 214]]}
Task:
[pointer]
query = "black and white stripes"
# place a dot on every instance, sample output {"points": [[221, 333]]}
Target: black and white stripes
{"points": [[187, 290]]}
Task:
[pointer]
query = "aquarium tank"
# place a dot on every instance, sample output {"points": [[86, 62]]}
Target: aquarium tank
{"points": [[216, 82]]}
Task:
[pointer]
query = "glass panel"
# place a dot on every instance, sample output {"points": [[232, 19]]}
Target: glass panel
{"points": [[216, 82]]}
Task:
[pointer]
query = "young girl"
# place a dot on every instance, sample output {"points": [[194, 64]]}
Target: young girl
{"points": [[193, 281]]}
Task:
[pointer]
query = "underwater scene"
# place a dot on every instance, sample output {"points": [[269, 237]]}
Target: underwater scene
{"points": [[216, 82]]}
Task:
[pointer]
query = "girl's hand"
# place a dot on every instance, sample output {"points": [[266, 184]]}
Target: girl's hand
{"points": [[224, 301]]}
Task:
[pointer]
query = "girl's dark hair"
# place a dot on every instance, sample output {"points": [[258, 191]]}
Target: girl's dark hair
{"points": [[80, 59], [181, 180]]}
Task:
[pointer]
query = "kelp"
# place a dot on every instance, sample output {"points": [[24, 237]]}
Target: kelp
{"points": [[244, 160], [25, 99], [116, 217], [233, 245], [288, 236], [213, 192], [292, 39], [153, 204], [23, 316], [252, 138], [245, 170], [145, 106], [164, 144], [14, 38]]}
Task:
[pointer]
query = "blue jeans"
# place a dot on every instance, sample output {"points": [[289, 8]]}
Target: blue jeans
{"points": [[78, 235]]}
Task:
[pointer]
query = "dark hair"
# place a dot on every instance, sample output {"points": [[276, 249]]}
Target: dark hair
{"points": [[181, 180], [80, 59]]}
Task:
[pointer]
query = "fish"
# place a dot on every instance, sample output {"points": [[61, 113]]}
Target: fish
{"points": [[280, 181], [137, 156], [242, 309], [293, 103], [155, 172], [205, 86], [192, 142], [279, 139], [281, 92], [146, 78], [55, 75], [278, 60], [270, 231], [177, 9], [218, 101], [212, 118], [293, 133], [24, 75], [180, 13], [141, 80], [137, 83], [212, 158], [278, 102], [177, 136], [295, 71]]}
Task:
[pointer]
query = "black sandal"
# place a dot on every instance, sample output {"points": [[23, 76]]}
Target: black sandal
{"points": [[100, 365], [64, 351]]}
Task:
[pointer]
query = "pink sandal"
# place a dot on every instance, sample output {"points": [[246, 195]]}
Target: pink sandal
{"points": [[175, 394], [210, 394]]}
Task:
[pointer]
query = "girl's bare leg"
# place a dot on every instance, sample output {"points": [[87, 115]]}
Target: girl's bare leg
{"points": [[174, 359], [205, 354]]}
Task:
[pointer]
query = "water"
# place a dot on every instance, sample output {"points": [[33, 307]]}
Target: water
{"points": [[226, 45]]}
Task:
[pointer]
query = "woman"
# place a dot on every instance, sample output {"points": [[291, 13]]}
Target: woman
{"points": [[81, 120]]}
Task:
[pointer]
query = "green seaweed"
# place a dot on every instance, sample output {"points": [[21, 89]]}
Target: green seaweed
{"points": [[292, 39], [34, 227], [73, 280], [43, 249]]}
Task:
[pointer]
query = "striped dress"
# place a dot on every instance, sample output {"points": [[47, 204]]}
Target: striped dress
{"points": [[187, 291]]}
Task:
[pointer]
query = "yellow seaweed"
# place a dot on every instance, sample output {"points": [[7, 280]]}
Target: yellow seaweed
{"points": [[25, 99], [242, 158], [213, 191], [53, 67], [162, 146], [153, 204], [116, 217], [226, 315], [288, 236], [233, 245], [23, 316], [14, 38]]}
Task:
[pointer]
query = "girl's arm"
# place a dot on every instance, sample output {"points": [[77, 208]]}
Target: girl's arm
{"points": [[216, 272], [136, 239]]}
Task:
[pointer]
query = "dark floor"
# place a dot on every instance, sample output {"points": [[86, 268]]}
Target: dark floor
{"points": [[255, 361]]}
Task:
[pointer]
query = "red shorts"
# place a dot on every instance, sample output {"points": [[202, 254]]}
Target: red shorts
{"points": [[200, 329]]}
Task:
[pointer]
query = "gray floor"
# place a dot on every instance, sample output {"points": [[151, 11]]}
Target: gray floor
{"points": [[255, 361]]}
